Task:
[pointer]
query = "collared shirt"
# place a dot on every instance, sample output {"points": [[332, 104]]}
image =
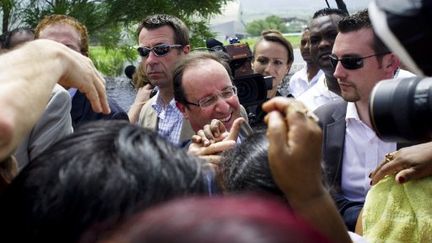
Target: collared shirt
{"points": [[299, 82], [318, 95], [363, 152], [170, 119], [72, 91]]}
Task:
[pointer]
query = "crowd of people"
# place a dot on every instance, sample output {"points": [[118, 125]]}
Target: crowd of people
{"points": [[184, 164]]}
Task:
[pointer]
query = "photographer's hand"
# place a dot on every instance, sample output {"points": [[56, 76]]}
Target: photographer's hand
{"points": [[406, 164]]}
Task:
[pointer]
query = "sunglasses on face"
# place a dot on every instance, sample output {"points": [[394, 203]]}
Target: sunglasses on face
{"points": [[351, 62], [159, 50]]}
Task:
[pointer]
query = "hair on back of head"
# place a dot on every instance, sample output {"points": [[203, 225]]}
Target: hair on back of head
{"points": [[329, 11], [98, 175], [181, 32]]}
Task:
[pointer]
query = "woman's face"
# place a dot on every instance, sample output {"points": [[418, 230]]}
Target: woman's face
{"points": [[271, 59]]}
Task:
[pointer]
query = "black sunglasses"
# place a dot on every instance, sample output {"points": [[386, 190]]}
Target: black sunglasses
{"points": [[159, 50], [351, 62]]}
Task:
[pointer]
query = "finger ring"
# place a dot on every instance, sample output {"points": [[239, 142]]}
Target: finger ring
{"points": [[389, 157], [304, 112]]}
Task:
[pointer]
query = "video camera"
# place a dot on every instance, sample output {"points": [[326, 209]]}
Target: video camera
{"points": [[252, 87], [401, 109]]}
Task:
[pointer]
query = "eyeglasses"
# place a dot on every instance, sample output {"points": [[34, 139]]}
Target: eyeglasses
{"points": [[226, 93], [351, 62], [159, 50]]}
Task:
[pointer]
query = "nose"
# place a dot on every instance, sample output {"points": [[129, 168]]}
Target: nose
{"points": [[150, 59], [222, 105], [325, 43], [268, 69], [339, 71]]}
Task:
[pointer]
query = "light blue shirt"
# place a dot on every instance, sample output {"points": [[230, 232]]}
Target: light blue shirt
{"points": [[170, 119]]}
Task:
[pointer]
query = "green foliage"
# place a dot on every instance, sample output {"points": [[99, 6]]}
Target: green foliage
{"points": [[112, 23], [110, 61], [255, 27]]}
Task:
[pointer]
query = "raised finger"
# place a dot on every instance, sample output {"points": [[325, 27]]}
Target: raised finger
{"points": [[235, 128], [204, 140], [217, 127]]}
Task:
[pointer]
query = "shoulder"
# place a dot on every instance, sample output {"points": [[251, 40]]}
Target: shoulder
{"points": [[116, 111], [327, 112]]}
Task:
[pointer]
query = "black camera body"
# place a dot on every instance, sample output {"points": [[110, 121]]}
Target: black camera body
{"points": [[252, 87]]}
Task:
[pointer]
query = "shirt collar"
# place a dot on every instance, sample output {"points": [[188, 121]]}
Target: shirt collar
{"points": [[351, 112], [158, 104]]}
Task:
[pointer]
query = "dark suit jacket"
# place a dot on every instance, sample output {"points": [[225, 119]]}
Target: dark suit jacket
{"points": [[332, 121], [82, 112]]}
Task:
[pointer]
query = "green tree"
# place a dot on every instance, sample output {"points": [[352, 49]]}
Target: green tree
{"points": [[255, 27], [112, 23]]}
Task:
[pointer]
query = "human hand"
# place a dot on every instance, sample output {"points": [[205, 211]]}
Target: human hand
{"points": [[406, 164], [143, 94], [294, 148], [216, 132], [221, 140], [76, 71]]}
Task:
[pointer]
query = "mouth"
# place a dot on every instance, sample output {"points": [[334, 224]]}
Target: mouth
{"points": [[344, 84], [226, 119], [325, 56]]}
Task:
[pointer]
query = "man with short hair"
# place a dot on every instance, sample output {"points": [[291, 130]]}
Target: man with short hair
{"points": [[308, 76], [323, 31], [73, 34], [163, 40], [204, 91], [351, 148]]}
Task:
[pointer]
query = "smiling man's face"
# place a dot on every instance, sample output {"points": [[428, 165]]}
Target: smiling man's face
{"points": [[204, 79]]}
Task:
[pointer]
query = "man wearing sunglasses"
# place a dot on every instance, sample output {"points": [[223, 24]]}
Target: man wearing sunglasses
{"points": [[163, 41], [323, 31], [351, 148]]}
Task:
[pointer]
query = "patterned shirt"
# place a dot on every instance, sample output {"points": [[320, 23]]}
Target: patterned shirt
{"points": [[170, 120]]}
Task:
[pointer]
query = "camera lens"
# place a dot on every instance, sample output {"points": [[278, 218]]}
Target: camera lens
{"points": [[401, 109]]}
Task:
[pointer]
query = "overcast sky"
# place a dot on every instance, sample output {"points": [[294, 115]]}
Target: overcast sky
{"points": [[295, 8]]}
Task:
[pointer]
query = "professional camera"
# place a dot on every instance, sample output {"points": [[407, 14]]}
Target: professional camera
{"points": [[252, 87], [401, 109]]}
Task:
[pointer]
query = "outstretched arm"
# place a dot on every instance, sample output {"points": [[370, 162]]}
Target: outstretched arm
{"points": [[27, 77], [294, 156]]}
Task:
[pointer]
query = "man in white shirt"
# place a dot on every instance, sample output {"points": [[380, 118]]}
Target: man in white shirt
{"points": [[351, 148], [323, 31], [308, 76]]}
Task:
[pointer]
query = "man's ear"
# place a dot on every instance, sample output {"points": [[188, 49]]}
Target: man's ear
{"points": [[182, 109], [391, 64], [186, 49]]}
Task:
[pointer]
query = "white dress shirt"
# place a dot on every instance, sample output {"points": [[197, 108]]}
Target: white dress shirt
{"points": [[363, 152], [299, 82], [318, 95]]}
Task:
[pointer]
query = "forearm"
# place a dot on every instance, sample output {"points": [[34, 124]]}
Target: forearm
{"points": [[26, 82], [321, 212], [134, 111]]}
